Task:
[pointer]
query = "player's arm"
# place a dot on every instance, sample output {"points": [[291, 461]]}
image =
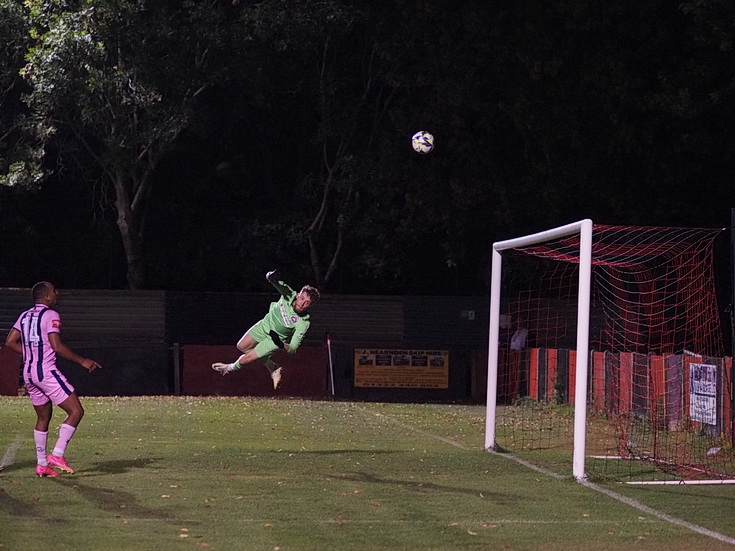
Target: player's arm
{"points": [[300, 329], [294, 342], [13, 341], [274, 278], [68, 354]]}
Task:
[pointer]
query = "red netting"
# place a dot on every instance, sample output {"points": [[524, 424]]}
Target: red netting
{"points": [[652, 289], [654, 334]]}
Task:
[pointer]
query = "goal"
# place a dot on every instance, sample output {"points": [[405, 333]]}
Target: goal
{"points": [[609, 337]]}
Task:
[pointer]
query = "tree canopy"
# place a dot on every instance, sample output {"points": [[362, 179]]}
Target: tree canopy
{"points": [[194, 145]]}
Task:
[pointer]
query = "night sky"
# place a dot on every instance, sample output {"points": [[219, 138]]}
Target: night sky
{"points": [[544, 113]]}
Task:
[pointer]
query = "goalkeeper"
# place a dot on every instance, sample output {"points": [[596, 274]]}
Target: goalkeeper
{"points": [[283, 328]]}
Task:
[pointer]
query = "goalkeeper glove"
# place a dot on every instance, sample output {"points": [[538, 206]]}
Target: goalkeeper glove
{"points": [[273, 276], [276, 339]]}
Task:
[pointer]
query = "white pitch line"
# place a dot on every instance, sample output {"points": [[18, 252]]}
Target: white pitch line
{"points": [[681, 482], [529, 465], [618, 497], [631, 503], [414, 429], [659, 514], [9, 455]]}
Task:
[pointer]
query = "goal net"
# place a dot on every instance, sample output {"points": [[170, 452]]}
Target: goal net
{"points": [[605, 342]]}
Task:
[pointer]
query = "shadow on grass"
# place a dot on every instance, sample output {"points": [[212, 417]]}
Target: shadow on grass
{"points": [[120, 503], [117, 502], [426, 487], [118, 466], [19, 466], [18, 508]]}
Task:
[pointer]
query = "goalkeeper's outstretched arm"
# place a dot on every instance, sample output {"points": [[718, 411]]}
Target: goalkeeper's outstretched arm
{"points": [[274, 278]]}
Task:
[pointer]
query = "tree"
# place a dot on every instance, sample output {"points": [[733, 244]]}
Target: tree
{"points": [[347, 87], [286, 125], [15, 40], [319, 57], [112, 85]]}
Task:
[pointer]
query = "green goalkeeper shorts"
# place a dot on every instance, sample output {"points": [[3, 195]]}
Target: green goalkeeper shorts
{"points": [[265, 347]]}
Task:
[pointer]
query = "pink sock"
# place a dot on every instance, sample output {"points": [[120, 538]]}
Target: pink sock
{"points": [[40, 438], [65, 434]]}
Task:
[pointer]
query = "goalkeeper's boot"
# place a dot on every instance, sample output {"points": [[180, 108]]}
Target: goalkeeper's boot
{"points": [[45, 470], [60, 463], [221, 368], [276, 376]]}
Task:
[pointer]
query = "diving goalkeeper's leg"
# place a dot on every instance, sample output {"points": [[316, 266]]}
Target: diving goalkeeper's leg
{"points": [[275, 370], [242, 361], [260, 351], [224, 369], [246, 344]]}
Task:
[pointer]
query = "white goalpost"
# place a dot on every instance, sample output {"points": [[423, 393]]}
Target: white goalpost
{"points": [[607, 339], [582, 228]]}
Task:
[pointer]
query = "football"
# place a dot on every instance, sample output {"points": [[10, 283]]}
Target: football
{"points": [[422, 142]]}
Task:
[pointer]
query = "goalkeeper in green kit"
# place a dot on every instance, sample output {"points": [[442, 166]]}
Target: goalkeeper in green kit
{"points": [[283, 328]]}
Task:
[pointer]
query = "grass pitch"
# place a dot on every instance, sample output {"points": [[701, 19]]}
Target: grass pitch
{"points": [[239, 473]]}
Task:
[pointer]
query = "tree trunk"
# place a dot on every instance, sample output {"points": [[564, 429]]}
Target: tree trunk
{"points": [[128, 222]]}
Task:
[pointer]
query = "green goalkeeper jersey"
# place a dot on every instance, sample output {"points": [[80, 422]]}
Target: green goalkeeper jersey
{"points": [[283, 319]]}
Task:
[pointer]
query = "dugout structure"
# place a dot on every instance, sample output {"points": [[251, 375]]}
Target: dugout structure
{"points": [[622, 322]]}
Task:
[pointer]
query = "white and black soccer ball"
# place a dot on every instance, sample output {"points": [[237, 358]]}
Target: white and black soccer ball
{"points": [[422, 142]]}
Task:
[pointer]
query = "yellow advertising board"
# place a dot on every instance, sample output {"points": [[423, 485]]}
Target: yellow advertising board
{"points": [[377, 368]]}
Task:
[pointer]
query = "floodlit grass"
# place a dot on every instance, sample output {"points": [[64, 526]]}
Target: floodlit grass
{"points": [[238, 473]]}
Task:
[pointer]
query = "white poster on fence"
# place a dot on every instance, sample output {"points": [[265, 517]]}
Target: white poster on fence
{"points": [[703, 393]]}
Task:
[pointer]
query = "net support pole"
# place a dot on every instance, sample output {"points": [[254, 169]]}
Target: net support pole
{"points": [[583, 331], [331, 366]]}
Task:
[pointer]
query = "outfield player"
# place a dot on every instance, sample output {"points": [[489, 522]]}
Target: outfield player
{"points": [[36, 336], [282, 328]]}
